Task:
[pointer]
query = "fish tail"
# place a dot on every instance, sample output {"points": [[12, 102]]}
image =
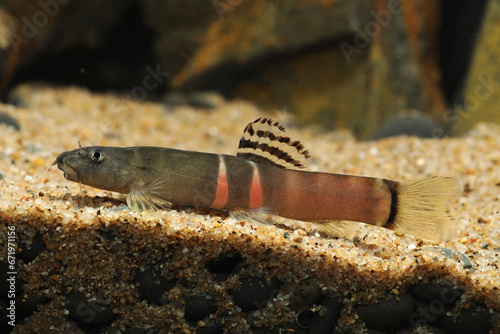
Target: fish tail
{"points": [[420, 208]]}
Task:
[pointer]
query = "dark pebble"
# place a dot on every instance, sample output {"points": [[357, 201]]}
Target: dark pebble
{"points": [[327, 322], [29, 253], [254, 292], [388, 314], [176, 99], [474, 320], [456, 255], [152, 286], [305, 294], [203, 100], [225, 263], [10, 121], [427, 313], [198, 307], [16, 99], [437, 291], [86, 313], [414, 124]]}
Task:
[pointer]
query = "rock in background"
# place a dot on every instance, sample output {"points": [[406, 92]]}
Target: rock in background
{"points": [[339, 63], [7, 60], [99, 45], [55, 25], [481, 90]]}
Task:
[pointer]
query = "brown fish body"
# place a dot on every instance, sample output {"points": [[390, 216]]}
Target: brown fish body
{"points": [[226, 182], [155, 177]]}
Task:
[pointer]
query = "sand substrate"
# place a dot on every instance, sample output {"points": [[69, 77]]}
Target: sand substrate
{"points": [[89, 264]]}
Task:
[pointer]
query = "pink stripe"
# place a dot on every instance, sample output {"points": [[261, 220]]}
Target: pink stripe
{"points": [[222, 188], [255, 190]]}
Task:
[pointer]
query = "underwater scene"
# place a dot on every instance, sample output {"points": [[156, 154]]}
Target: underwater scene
{"points": [[232, 166]]}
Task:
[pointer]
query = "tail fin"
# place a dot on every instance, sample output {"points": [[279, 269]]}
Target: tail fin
{"points": [[421, 208]]}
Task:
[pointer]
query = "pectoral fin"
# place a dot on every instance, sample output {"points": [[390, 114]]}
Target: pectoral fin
{"points": [[154, 197]]}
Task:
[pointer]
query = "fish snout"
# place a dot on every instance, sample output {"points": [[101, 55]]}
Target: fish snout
{"points": [[69, 173]]}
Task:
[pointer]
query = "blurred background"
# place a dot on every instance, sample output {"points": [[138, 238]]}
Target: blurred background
{"points": [[375, 67]]}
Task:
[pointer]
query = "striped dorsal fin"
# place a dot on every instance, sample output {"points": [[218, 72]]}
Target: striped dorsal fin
{"points": [[264, 141]]}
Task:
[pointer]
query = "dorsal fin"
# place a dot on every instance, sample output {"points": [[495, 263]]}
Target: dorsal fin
{"points": [[264, 141]]}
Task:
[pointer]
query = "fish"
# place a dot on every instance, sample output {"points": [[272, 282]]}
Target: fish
{"points": [[267, 178]]}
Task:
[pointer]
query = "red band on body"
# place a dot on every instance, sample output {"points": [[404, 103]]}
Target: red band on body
{"points": [[255, 190], [222, 187]]}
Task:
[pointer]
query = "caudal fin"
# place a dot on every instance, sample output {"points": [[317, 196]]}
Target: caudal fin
{"points": [[421, 208]]}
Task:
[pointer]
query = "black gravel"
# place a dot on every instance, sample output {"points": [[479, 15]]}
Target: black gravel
{"points": [[388, 314], [152, 285], [87, 313], [198, 307]]}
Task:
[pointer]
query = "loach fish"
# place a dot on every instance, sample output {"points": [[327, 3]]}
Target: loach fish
{"points": [[265, 179]]}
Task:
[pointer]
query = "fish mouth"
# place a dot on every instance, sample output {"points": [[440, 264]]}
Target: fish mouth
{"points": [[69, 173]]}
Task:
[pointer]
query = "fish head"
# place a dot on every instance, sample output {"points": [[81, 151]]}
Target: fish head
{"points": [[96, 166]]}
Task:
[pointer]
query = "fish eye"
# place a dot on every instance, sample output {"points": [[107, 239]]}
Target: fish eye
{"points": [[96, 156]]}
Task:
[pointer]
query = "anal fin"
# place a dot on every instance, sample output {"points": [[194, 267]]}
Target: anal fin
{"points": [[337, 228], [262, 216]]}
